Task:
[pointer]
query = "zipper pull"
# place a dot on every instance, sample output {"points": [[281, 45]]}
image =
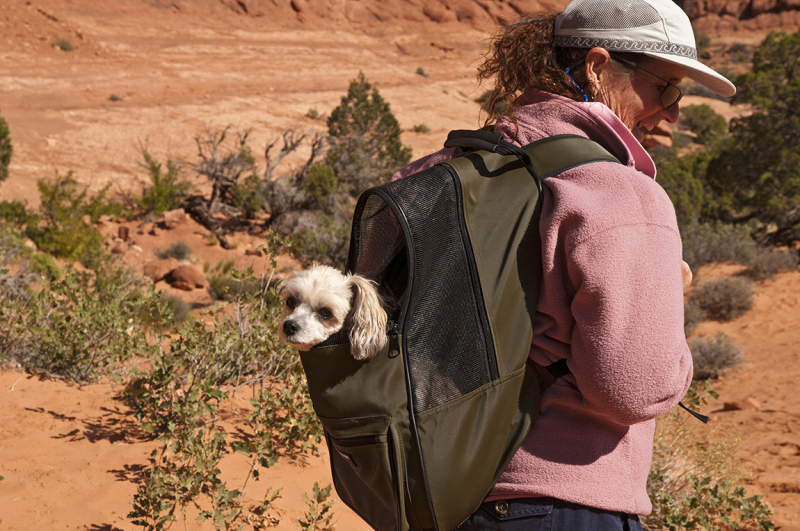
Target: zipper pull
{"points": [[394, 344]]}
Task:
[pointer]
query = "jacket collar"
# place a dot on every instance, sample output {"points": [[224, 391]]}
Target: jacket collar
{"points": [[542, 114]]}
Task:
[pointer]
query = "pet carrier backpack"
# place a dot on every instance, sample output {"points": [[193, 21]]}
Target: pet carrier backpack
{"points": [[419, 434]]}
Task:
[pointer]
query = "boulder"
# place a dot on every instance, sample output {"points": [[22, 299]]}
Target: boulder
{"points": [[186, 277], [158, 270], [169, 220]]}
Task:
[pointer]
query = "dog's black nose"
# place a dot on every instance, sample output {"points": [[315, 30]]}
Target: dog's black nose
{"points": [[290, 328]]}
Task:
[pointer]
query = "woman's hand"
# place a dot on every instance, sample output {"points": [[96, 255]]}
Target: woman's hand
{"points": [[687, 276]]}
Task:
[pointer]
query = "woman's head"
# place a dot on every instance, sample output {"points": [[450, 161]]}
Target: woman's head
{"points": [[640, 90], [619, 53]]}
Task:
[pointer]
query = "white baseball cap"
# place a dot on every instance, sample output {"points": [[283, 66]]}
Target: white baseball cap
{"points": [[656, 28]]}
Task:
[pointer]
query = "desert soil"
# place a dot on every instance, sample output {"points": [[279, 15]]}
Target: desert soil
{"points": [[71, 457]]}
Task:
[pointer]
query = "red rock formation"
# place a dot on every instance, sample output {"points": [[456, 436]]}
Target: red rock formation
{"points": [[726, 16]]}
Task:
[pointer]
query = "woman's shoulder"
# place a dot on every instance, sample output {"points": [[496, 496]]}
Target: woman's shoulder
{"points": [[599, 196]]}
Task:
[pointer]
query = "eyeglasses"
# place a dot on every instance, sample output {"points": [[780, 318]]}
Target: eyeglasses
{"points": [[670, 94]]}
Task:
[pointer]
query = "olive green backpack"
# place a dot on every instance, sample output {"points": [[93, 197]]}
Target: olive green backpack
{"points": [[419, 434]]}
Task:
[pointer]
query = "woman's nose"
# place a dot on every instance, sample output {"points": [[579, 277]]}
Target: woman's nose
{"points": [[670, 114]]}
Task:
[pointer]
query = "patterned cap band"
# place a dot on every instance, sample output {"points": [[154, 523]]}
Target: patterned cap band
{"points": [[622, 45]]}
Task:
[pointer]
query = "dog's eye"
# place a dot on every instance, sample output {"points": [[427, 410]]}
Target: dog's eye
{"points": [[325, 313], [291, 302]]}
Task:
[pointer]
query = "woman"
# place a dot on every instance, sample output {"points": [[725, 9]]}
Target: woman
{"points": [[611, 300]]}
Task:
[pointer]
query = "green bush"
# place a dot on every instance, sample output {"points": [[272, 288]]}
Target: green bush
{"points": [[421, 128], [227, 284], [249, 197], [704, 122], [724, 299], [179, 250], [327, 244], [15, 212], [45, 265], [166, 190], [365, 138], [682, 179], [77, 327], [6, 149], [60, 229], [63, 44], [319, 185], [713, 357], [756, 174], [177, 307]]}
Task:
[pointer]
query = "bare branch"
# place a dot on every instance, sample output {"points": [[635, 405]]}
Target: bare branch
{"points": [[292, 139]]}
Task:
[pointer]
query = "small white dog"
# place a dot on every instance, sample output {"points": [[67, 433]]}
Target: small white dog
{"points": [[320, 301]]}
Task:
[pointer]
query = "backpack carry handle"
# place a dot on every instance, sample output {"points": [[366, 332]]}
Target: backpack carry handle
{"points": [[493, 142]]}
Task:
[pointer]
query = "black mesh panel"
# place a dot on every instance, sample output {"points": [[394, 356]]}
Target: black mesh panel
{"points": [[446, 346]]}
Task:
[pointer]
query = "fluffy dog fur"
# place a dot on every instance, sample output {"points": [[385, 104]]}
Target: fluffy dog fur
{"points": [[320, 301]]}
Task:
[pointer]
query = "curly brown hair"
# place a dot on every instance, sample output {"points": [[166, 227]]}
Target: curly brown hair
{"points": [[524, 56]]}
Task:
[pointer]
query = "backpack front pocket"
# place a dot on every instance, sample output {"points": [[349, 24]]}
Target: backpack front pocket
{"points": [[367, 468]]}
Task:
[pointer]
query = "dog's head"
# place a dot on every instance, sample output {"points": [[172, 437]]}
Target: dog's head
{"points": [[320, 301]]}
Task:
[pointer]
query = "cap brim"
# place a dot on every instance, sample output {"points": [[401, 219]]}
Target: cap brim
{"points": [[700, 73]]}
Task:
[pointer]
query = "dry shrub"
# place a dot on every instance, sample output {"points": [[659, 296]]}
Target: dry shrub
{"points": [[713, 357], [724, 299], [769, 261], [717, 242], [693, 315], [695, 481]]}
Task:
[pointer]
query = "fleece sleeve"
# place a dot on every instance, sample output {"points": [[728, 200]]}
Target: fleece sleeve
{"points": [[629, 353]]}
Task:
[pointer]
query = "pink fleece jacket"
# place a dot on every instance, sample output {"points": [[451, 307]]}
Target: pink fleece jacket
{"points": [[611, 302]]}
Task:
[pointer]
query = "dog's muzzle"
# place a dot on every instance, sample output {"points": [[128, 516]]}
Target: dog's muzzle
{"points": [[290, 328]]}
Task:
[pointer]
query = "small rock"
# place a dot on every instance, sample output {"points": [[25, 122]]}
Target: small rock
{"points": [[87, 219], [120, 248], [186, 277], [29, 243], [253, 252], [154, 231], [740, 405], [136, 248], [123, 233], [158, 270]]}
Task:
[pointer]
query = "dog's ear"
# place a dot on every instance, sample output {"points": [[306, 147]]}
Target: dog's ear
{"points": [[368, 319]]}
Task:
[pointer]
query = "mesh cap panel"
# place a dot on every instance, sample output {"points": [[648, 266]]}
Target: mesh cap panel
{"points": [[610, 14], [446, 347]]}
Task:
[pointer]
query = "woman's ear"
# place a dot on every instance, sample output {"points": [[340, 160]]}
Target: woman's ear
{"points": [[597, 66]]}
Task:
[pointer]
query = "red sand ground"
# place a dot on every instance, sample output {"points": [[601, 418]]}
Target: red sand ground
{"points": [[69, 455]]}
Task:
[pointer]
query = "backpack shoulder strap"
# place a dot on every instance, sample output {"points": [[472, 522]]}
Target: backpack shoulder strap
{"points": [[553, 155]]}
